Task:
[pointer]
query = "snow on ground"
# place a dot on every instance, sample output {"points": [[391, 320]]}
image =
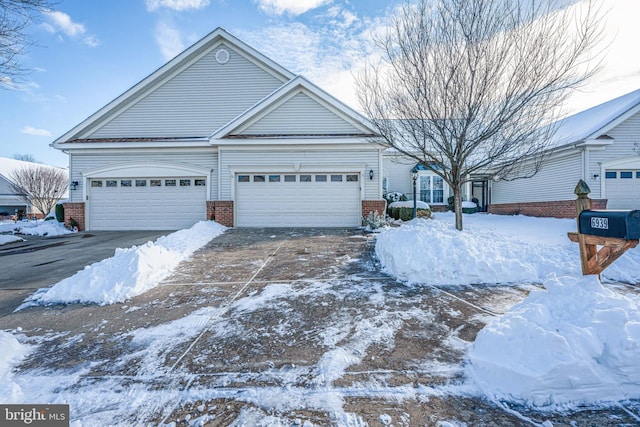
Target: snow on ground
{"points": [[34, 228], [129, 272], [575, 342], [491, 249], [9, 238], [12, 353]]}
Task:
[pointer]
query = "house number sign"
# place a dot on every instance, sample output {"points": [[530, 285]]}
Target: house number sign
{"points": [[602, 223]]}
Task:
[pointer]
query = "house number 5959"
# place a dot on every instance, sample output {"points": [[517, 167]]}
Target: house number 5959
{"points": [[602, 223]]}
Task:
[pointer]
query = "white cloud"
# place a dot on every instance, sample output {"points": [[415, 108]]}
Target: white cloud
{"points": [[291, 7], [30, 130], [63, 22], [60, 22], [169, 40], [179, 5], [328, 54]]}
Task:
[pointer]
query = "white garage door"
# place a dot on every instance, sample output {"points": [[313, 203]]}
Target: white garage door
{"points": [[298, 200], [146, 203], [623, 189]]}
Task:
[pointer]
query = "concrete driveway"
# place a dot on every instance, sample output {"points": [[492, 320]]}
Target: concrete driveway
{"points": [[277, 327]]}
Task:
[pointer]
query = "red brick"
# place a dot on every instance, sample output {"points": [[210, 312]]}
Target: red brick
{"points": [[555, 209], [75, 211]]}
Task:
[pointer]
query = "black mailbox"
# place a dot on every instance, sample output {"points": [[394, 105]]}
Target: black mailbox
{"points": [[620, 224]]}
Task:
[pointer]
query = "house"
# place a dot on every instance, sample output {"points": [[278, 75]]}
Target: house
{"points": [[601, 146], [222, 132], [11, 203]]}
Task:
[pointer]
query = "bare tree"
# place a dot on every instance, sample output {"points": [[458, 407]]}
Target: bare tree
{"points": [[15, 16], [40, 186], [26, 157], [465, 86]]}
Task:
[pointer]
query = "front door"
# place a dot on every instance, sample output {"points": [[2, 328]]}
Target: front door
{"points": [[480, 191]]}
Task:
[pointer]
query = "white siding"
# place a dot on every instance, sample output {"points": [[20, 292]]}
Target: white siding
{"points": [[397, 169], [300, 115], [625, 135], [300, 159], [196, 102], [83, 162], [556, 181]]}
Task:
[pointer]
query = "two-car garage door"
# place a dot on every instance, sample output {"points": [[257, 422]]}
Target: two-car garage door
{"points": [[146, 203], [623, 189], [298, 199]]}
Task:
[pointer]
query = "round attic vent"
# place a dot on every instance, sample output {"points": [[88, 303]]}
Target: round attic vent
{"points": [[222, 56]]}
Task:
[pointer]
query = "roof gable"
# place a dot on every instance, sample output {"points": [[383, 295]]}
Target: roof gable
{"points": [[298, 108], [596, 121], [180, 81]]}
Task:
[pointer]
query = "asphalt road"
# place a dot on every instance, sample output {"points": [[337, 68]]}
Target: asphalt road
{"points": [[39, 262]]}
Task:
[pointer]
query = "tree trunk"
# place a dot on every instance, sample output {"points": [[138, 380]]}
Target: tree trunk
{"points": [[457, 205]]}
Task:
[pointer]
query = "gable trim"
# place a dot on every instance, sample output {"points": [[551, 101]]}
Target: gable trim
{"points": [[280, 96], [170, 69]]}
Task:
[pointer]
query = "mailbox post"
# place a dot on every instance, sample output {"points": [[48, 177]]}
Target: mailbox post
{"points": [[614, 231]]}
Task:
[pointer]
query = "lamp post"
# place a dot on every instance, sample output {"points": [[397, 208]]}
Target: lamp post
{"points": [[414, 178]]}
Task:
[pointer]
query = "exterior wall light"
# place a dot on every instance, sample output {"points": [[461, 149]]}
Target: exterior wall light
{"points": [[74, 185], [371, 174]]}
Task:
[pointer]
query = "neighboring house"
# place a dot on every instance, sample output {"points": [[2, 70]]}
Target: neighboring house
{"points": [[11, 204], [601, 146], [223, 132]]}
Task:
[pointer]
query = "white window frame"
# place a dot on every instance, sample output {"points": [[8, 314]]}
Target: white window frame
{"points": [[431, 175]]}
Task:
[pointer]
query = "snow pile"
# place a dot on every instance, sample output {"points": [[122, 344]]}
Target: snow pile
{"points": [[35, 228], [491, 249], [409, 204], [12, 353], [9, 238], [575, 342], [129, 272]]}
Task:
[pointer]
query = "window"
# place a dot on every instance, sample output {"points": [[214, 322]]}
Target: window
{"points": [[112, 183], [305, 178], [289, 178], [432, 189], [321, 178], [125, 183], [274, 178], [141, 182], [626, 175], [200, 182], [258, 178], [611, 175], [155, 183], [638, 175], [352, 178], [169, 182], [96, 183], [243, 178], [336, 178], [185, 182]]}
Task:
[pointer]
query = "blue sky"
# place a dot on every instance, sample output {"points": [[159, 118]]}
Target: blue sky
{"points": [[89, 52]]}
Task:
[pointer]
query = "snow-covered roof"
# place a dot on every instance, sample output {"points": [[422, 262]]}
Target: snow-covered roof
{"points": [[596, 121], [7, 166]]}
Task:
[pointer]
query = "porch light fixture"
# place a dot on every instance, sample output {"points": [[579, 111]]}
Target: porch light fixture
{"points": [[74, 185], [371, 174]]}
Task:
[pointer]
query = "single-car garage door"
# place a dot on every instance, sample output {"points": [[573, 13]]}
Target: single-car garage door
{"points": [[298, 200], [622, 189], [146, 203]]}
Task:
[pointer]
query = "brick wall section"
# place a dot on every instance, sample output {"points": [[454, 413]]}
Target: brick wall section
{"points": [[557, 209], [75, 211], [222, 212], [379, 206], [211, 209], [439, 208]]}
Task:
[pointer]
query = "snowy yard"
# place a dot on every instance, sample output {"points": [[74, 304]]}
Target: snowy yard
{"points": [[286, 328]]}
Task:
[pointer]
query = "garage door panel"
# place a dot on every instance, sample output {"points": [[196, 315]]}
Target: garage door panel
{"points": [[299, 203], [146, 207], [623, 189]]}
